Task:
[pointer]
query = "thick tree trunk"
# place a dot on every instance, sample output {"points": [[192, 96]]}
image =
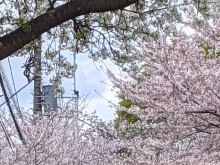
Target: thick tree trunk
{"points": [[33, 29]]}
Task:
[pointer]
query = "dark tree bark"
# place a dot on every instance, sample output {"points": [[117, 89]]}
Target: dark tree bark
{"points": [[33, 29]]}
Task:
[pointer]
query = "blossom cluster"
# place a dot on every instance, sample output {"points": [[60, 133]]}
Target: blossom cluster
{"points": [[178, 80]]}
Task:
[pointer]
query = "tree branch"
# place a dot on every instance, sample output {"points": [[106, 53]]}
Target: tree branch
{"points": [[33, 29], [210, 111]]}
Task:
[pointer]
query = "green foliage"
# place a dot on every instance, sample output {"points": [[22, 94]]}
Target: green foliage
{"points": [[82, 34], [140, 5], [26, 27], [206, 48], [147, 75], [21, 23], [209, 51], [130, 118], [173, 43], [124, 152], [126, 103], [133, 119]]}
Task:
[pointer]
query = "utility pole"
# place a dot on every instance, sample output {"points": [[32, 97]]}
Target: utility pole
{"points": [[37, 82]]}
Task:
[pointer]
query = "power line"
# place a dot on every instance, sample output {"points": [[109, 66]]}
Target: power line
{"points": [[14, 86], [10, 142], [10, 110], [7, 86], [19, 90]]}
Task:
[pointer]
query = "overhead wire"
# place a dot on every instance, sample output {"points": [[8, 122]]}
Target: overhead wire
{"points": [[11, 111], [14, 85], [10, 142], [19, 90]]}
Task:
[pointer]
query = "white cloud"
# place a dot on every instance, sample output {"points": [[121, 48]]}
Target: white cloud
{"points": [[88, 79], [101, 104], [96, 77]]}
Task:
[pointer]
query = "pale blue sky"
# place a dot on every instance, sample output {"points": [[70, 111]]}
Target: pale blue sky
{"points": [[88, 79]]}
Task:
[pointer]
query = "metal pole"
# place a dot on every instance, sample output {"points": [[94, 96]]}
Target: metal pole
{"points": [[37, 82]]}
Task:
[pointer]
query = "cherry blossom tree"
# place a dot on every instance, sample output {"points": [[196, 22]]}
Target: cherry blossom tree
{"points": [[173, 92], [101, 30], [61, 138], [115, 23], [177, 82]]}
